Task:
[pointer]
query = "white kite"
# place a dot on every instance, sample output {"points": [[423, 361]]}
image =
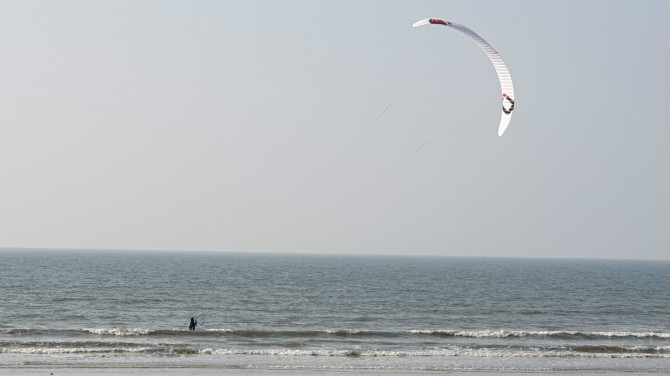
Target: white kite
{"points": [[498, 64]]}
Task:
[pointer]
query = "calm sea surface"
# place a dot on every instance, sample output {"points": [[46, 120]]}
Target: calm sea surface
{"points": [[332, 312]]}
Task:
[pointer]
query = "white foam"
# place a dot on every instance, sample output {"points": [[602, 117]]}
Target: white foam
{"points": [[521, 333], [119, 331], [220, 330], [345, 331], [636, 352], [72, 350], [447, 352]]}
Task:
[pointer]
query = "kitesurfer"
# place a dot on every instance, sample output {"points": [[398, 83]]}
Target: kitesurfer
{"points": [[193, 323]]}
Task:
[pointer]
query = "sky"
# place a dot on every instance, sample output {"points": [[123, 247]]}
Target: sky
{"points": [[335, 127]]}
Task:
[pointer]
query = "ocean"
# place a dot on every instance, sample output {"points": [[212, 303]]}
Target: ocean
{"points": [[288, 311]]}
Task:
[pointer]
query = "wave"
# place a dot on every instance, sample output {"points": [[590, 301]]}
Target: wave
{"points": [[315, 333], [610, 352], [538, 334], [609, 349], [125, 332], [655, 352], [250, 333], [120, 331]]}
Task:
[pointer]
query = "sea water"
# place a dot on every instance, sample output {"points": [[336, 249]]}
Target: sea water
{"points": [[100, 309]]}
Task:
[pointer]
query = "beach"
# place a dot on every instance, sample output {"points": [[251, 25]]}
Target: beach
{"points": [[41, 371]]}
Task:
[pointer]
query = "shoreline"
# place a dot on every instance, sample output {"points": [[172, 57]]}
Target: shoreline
{"points": [[211, 371]]}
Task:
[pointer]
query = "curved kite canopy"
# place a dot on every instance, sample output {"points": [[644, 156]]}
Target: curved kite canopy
{"points": [[498, 64]]}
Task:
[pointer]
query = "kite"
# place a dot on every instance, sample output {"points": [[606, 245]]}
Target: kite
{"points": [[498, 63]]}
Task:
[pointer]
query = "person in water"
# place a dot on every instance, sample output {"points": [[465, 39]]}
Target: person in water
{"points": [[193, 323]]}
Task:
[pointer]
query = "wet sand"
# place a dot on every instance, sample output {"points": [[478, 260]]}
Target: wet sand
{"points": [[119, 371]]}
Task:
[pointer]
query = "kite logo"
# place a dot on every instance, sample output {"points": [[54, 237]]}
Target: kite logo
{"points": [[438, 21], [511, 107]]}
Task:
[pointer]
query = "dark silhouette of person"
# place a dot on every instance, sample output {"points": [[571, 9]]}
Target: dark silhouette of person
{"points": [[193, 323]]}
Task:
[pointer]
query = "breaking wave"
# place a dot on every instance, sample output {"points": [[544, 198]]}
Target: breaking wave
{"points": [[538, 334], [580, 351], [266, 333]]}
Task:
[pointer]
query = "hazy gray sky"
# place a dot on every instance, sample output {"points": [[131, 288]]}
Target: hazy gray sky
{"points": [[334, 126]]}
